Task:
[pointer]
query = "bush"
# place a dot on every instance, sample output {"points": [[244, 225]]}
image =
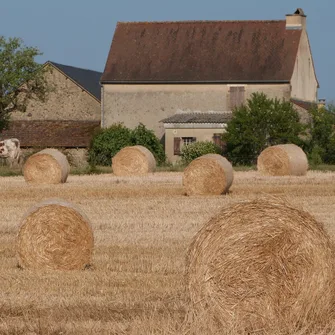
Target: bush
{"points": [[146, 137], [315, 157], [330, 154], [197, 149], [107, 142], [320, 145]]}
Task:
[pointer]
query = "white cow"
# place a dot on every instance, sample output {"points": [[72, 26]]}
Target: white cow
{"points": [[10, 149]]}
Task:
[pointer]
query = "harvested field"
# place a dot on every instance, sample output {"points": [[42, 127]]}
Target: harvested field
{"points": [[142, 230]]}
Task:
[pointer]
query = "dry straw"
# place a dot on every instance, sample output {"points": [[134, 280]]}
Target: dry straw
{"points": [[281, 160], [55, 235], [133, 161], [262, 265], [48, 166], [208, 174]]}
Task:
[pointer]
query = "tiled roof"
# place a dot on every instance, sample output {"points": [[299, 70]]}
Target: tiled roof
{"points": [[199, 118], [45, 133], [304, 104], [202, 51], [89, 80]]}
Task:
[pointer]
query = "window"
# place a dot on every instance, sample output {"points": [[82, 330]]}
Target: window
{"points": [[188, 140], [236, 96], [179, 142]]}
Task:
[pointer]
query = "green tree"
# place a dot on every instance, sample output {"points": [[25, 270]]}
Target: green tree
{"points": [[260, 123], [21, 78], [321, 143]]}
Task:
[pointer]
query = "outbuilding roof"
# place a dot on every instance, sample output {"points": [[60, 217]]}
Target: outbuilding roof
{"points": [[52, 133], [303, 104], [202, 51]]}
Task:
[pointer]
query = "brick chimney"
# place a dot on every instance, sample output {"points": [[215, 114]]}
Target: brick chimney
{"points": [[297, 20]]}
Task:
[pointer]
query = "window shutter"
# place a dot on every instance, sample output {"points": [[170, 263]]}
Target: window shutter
{"points": [[217, 139], [236, 96], [176, 145]]}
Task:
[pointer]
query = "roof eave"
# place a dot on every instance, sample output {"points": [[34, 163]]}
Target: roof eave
{"points": [[115, 82], [195, 125]]}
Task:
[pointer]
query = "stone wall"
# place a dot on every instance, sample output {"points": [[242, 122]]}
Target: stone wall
{"points": [[66, 101]]}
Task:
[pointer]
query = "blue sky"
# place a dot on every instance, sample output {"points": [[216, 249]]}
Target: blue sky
{"points": [[79, 33]]}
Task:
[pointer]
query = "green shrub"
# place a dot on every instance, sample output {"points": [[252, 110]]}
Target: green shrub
{"points": [[146, 137], [194, 150], [330, 154], [107, 142], [315, 156], [321, 143]]}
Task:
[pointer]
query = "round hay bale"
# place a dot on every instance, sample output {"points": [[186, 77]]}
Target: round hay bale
{"points": [[55, 235], [283, 159], [262, 265], [133, 161], [48, 166], [208, 174]]}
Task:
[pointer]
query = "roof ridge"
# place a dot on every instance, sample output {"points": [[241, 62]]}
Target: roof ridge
{"points": [[199, 21], [75, 67]]}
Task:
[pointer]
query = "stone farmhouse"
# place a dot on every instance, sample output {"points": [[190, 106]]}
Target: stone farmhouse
{"points": [[182, 79], [68, 117]]}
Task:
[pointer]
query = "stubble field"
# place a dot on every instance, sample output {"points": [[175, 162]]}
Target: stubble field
{"points": [[142, 229]]}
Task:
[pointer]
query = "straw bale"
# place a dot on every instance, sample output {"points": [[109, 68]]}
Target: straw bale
{"points": [[283, 159], [133, 161], [48, 166], [55, 235], [262, 265], [208, 174]]}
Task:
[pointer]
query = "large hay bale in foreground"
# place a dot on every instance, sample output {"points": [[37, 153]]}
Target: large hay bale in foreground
{"points": [[48, 166], [208, 174], [262, 265], [133, 161], [283, 159], [55, 235]]}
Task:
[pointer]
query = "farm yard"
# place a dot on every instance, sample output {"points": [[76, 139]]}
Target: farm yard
{"points": [[142, 228]]}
